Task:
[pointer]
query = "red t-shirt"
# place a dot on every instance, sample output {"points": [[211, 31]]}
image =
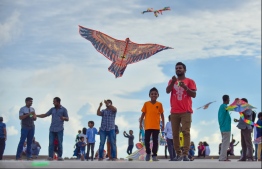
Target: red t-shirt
{"points": [[179, 100]]}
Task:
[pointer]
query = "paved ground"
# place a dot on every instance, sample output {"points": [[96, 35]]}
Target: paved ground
{"points": [[129, 164]]}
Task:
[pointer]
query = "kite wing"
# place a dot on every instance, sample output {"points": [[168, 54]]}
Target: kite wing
{"points": [[109, 47], [206, 105], [137, 52], [148, 10]]}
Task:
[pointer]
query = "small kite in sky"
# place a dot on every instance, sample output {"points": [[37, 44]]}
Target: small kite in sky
{"points": [[120, 52], [206, 105], [239, 106], [156, 12]]}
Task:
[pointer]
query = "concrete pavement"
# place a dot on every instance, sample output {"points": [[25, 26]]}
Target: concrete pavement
{"points": [[163, 163]]}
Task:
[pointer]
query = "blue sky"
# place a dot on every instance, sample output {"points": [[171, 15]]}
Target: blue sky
{"points": [[43, 56]]}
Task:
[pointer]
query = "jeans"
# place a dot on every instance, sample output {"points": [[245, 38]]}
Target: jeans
{"points": [[256, 151], [26, 134], [171, 149], [90, 146], [129, 149], [111, 136], [36, 151], [154, 134], [52, 136], [2, 147], [185, 119]]}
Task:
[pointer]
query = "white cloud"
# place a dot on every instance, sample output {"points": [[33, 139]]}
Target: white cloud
{"points": [[207, 123], [11, 131], [10, 29]]}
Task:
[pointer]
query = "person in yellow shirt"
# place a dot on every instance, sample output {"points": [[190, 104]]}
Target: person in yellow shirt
{"points": [[151, 113]]}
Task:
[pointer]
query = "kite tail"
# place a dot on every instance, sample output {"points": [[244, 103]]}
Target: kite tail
{"points": [[117, 69]]}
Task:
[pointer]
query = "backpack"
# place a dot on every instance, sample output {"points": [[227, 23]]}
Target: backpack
{"points": [[253, 118]]}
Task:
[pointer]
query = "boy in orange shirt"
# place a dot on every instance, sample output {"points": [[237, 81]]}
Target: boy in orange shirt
{"points": [[151, 112]]}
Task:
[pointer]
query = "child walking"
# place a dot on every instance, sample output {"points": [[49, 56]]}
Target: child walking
{"points": [[90, 136], [130, 141], [82, 145], [169, 140], [151, 112]]}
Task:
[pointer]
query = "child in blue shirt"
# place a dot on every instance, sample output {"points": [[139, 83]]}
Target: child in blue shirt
{"points": [[82, 145], [90, 136]]}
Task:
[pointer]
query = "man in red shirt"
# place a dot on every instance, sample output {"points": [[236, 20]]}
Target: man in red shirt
{"points": [[182, 89]]}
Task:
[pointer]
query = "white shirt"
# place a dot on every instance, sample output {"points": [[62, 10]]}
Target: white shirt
{"points": [[168, 130], [82, 135]]}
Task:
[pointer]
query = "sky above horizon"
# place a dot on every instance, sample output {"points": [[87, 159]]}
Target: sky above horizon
{"points": [[43, 56]]}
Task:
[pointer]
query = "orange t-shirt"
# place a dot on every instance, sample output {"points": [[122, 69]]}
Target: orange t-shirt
{"points": [[179, 100], [152, 115]]}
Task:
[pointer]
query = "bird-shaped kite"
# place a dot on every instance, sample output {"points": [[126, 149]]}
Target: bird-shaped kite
{"points": [[156, 12], [120, 52], [239, 106], [206, 105]]}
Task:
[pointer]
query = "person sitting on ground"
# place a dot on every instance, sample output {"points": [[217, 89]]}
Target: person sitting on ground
{"points": [[207, 149], [24, 149], [201, 149], [35, 148]]}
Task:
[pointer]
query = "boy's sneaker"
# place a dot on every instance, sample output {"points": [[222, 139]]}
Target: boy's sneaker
{"points": [[154, 158], [147, 157], [60, 159], [178, 158], [185, 158]]}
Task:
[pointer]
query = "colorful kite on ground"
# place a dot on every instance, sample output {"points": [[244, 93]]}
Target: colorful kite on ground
{"points": [[156, 12], [206, 105], [120, 52], [239, 106]]}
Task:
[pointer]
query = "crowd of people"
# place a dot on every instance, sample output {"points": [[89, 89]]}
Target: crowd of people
{"points": [[151, 124]]}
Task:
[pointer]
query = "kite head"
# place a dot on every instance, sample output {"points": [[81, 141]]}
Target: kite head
{"points": [[127, 40]]}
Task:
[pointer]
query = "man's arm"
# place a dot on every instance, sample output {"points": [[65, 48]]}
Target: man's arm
{"points": [[41, 115], [170, 86], [190, 92], [98, 112], [163, 121], [5, 133], [38, 145], [141, 119], [236, 144]]}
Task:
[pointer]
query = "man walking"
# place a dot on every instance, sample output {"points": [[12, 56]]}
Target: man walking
{"points": [[182, 89], [59, 115]]}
